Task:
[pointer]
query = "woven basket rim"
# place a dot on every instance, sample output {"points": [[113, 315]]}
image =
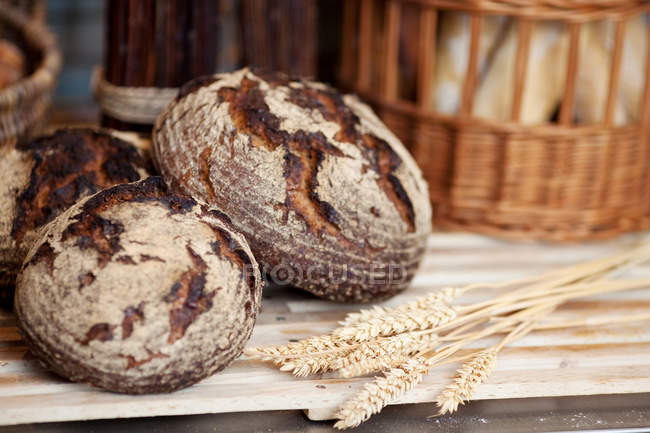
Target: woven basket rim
{"points": [[563, 10], [43, 78]]}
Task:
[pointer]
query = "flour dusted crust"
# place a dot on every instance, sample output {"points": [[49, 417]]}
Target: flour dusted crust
{"points": [[137, 290], [327, 197], [41, 179]]}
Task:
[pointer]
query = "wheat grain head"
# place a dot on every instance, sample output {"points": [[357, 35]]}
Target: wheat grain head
{"points": [[428, 302], [374, 396], [397, 322], [468, 378]]}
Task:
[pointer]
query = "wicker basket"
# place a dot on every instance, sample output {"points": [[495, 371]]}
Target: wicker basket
{"points": [[23, 105], [557, 181]]}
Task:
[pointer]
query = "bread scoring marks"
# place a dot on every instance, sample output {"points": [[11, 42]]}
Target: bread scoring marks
{"points": [[45, 253], [86, 279], [96, 232], [70, 164], [188, 298], [204, 173], [126, 260], [379, 155], [148, 258], [92, 231], [384, 161], [304, 153], [225, 246], [131, 362], [131, 316], [100, 332]]}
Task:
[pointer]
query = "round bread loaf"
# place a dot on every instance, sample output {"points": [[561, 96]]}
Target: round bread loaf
{"points": [[41, 179], [12, 64], [328, 198], [136, 290]]}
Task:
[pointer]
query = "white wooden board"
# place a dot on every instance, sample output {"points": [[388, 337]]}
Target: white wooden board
{"points": [[605, 360]]}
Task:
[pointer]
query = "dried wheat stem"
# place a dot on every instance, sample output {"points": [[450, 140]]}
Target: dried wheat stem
{"points": [[583, 272], [457, 333], [538, 290], [586, 321], [579, 290], [374, 396], [529, 314], [571, 292]]}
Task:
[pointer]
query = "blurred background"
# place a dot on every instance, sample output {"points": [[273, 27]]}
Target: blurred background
{"points": [[79, 28]]}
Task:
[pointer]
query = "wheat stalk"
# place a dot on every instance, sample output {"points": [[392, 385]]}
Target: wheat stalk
{"points": [[563, 324], [304, 366], [425, 303], [374, 365], [376, 395], [475, 371], [319, 345], [358, 354], [408, 340], [382, 353], [468, 378], [397, 322]]}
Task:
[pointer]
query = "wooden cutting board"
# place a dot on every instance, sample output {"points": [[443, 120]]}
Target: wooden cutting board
{"points": [[604, 360]]}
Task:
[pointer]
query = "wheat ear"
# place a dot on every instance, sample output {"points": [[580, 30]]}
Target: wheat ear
{"points": [[380, 354], [359, 353], [397, 322], [312, 346], [374, 365], [472, 374], [428, 302], [374, 396], [475, 371]]}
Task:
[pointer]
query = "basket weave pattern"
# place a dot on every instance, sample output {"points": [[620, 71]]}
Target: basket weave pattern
{"points": [[557, 181], [23, 105]]}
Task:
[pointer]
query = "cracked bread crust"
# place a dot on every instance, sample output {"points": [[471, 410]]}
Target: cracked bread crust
{"points": [[137, 290], [314, 180], [43, 178]]}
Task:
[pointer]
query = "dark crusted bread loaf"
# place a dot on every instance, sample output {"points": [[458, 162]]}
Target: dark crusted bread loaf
{"points": [[136, 290], [327, 197], [41, 179]]}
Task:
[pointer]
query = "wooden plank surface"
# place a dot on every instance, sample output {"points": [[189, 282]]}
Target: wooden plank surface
{"points": [[603, 360]]}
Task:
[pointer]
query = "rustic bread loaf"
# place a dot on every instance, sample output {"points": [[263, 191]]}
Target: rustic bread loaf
{"points": [[137, 290], [41, 179], [12, 64], [327, 197]]}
